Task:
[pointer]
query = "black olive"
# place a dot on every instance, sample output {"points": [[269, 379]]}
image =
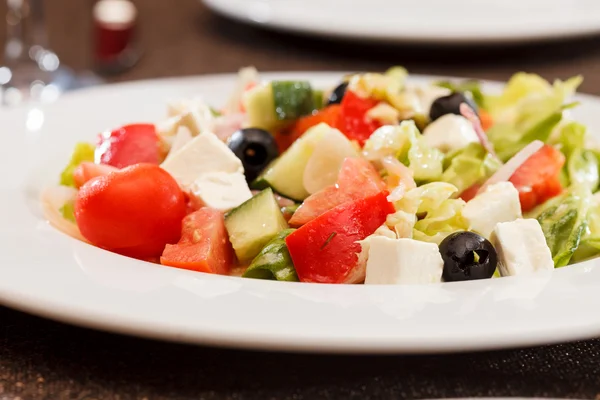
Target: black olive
{"points": [[467, 256], [338, 93], [451, 105], [255, 147]]}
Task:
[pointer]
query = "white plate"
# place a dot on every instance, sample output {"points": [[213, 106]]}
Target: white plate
{"points": [[47, 273], [433, 21]]}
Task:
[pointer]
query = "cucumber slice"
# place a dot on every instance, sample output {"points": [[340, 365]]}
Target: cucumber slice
{"points": [[253, 224], [260, 108], [292, 99], [318, 99], [286, 174]]}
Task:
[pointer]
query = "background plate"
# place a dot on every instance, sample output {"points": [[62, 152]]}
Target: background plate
{"points": [[47, 273], [432, 21]]}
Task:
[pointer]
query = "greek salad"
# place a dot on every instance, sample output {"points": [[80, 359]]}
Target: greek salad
{"points": [[376, 180]]}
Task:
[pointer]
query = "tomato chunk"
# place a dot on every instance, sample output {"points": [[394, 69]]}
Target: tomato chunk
{"points": [[353, 121], [538, 178], [326, 250], [88, 170], [328, 115], [470, 192], [357, 179], [135, 211], [204, 245], [129, 145]]}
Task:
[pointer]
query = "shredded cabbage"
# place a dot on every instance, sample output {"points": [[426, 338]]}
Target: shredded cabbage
{"points": [[468, 166]]}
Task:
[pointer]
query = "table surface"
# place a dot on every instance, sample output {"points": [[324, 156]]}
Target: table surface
{"points": [[40, 359]]}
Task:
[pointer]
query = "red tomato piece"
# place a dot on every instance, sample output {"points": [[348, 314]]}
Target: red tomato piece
{"points": [[204, 245], [135, 211], [353, 121], [328, 115], [129, 145], [470, 192], [538, 178], [89, 170], [326, 250], [357, 179]]}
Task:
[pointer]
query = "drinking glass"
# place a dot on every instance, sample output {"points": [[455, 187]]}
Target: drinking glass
{"points": [[31, 72]]}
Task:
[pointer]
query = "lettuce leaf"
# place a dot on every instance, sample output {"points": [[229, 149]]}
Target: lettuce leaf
{"points": [[468, 166], [273, 261], [590, 241], [83, 152], [528, 109], [564, 221], [470, 86], [582, 165], [406, 143], [436, 213]]}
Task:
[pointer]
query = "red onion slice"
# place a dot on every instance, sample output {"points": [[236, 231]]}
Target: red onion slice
{"points": [[469, 114], [508, 169]]}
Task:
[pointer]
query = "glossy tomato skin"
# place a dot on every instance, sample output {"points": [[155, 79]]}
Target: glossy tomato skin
{"points": [[353, 121], [86, 171], [204, 245], [135, 211], [129, 145], [326, 250], [328, 115], [357, 179], [538, 178]]}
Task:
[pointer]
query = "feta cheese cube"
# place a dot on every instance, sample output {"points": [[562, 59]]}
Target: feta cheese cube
{"points": [[498, 203], [521, 247], [182, 138], [205, 153], [221, 190], [403, 261], [450, 132]]}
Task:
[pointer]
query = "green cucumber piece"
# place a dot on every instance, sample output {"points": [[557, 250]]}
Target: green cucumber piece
{"points": [[273, 261], [285, 174], [253, 224], [260, 108], [292, 99]]}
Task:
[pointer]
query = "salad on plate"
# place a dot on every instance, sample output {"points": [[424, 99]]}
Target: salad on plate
{"points": [[376, 180]]}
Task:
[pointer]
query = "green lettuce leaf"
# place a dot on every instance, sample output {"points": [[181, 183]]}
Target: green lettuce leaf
{"points": [[468, 166], [273, 261], [436, 214], [528, 109], [469, 86], [406, 143], [83, 152], [564, 222], [68, 211], [582, 165], [590, 241]]}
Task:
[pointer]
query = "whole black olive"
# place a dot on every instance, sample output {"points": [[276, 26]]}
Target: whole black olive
{"points": [[255, 147], [467, 256], [338, 94], [450, 104]]}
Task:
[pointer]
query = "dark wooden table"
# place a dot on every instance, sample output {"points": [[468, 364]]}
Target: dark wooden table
{"points": [[41, 359]]}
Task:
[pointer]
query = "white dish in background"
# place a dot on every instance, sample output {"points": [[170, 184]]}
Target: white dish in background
{"points": [[47, 273], [425, 21]]}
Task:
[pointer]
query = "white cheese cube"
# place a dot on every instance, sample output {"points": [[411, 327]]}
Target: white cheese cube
{"points": [[450, 132], [221, 190], [521, 247], [205, 153], [182, 138], [498, 203], [403, 261]]}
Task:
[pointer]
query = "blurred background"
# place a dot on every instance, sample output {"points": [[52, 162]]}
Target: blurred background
{"points": [[186, 37]]}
